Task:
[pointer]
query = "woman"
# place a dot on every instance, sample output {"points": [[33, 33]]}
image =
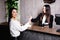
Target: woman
{"points": [[15, 26], [44, 18]]}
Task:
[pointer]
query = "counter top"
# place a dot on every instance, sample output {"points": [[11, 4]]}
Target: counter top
{"points": [[44, 30]]}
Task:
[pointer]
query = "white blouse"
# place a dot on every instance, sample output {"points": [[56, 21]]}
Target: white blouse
{"points": [[44, 19], [16, 28]]}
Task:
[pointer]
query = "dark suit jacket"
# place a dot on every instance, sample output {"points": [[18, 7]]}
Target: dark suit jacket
{"points": [[40, 22]]}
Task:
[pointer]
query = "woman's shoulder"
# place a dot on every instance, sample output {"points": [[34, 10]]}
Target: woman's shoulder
{"points": [[13, 21], [51, 16], [40, 14]]}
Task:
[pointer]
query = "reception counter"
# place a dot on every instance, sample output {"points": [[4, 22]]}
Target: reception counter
{"points": [[40, 33], [33, 33], [45, 30]]}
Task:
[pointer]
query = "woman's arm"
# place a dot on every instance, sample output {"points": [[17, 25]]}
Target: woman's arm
{"points": [[36, 19], [26, 26], [51, 21], [19, 27]]}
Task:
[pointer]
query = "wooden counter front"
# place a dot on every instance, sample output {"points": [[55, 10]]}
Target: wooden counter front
{"points": [[45, 30]]}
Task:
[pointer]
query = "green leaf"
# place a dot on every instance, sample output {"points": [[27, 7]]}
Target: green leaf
{"points": [[10, 4]]}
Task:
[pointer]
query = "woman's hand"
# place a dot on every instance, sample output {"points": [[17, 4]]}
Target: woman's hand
{"points": [[30, 20]]}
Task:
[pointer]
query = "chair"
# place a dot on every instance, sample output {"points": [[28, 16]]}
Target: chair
{"points": [[57, 19]]}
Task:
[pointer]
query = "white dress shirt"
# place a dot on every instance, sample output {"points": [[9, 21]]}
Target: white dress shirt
{"points": [[16, 28]]}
